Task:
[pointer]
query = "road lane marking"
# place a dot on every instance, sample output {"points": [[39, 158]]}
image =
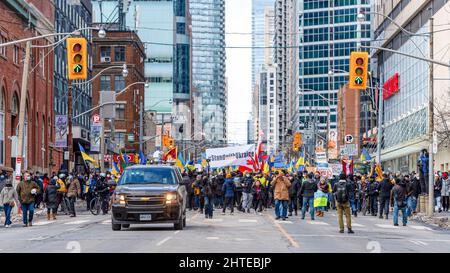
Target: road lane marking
{"points": [[248, 221], [76, 222], [386, 226], [357, 225], [212, 238], [243, 239], [43, 223], [418, 242], [40, 238], [163, 241], [317, 223], [420, 227], [213, 220], [283, 222], [284, 232], [106, 222], [176, 232], [330, 235]]}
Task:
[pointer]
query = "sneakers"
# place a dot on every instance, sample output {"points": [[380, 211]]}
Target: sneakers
{"points": [[284, 218], [404, 225], [381, 216], [231, 213], [295, 213], [7, 226], [350, 231], [25, 225], [290, 213], [248, 210], [303, 217], [223, 213], [341, 231], [277, 218], [30, 224], [386, 217], [396, 225]]}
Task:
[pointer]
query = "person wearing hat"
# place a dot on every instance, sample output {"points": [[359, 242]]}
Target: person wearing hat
{"points": [[281, 186], [228, 190], [73, 191], [445, 191], [50, 198], [27, 191], [8, 198]]}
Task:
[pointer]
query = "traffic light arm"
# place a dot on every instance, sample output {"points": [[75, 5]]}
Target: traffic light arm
{"points": [[99, 74]]}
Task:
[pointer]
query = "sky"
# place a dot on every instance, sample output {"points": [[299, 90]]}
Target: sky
{"points": [[238, 68]]}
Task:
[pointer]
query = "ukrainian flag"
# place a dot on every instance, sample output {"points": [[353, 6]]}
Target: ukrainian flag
{"points": [[86, 157], [365, 156]]}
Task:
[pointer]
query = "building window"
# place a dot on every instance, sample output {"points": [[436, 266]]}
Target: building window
{"points": [[105, 83], [181, 28], [3, 48], [120, 111], [119, 83], [119, 54], [16, 55], [119, 139], [105, 54]]}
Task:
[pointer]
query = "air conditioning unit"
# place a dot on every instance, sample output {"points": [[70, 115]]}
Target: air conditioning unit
{"points": [[106, 59]]}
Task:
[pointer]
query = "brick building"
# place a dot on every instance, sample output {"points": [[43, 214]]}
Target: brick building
{"points": [[117, 48], [22, 19], [348, 116]]}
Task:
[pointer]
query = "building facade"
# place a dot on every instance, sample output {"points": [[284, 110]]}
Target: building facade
{"points": [[406, 113], [208, 70], [68, 18], [328, 34], [21, 19], [117, 48], [286, 59]]}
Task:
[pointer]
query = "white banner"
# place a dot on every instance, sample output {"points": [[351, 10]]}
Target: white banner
{"points": [[230, 156], [61, 131]]}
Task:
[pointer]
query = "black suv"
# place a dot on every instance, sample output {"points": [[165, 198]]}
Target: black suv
{"points": [[149, 194]]}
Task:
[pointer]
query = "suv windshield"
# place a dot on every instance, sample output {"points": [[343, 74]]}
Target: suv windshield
{"points": [[148, 176]]}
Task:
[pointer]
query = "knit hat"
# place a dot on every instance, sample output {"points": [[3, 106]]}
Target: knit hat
{"points": [[228, 175], [445, 175]]}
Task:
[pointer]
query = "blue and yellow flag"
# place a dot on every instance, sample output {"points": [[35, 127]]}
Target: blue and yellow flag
{"points": [[365, 156], [190, 165], [86, 157]]}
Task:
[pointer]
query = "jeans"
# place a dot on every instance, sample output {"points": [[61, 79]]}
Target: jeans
{"points": [[229, 201], [209, 201], [341, 209], [437, 203], [281, 206], [292, 204], [27, 213], [373, 204], [352, 204], [72, 201], [308, 201], [8, 210], [384, 205], [247, 199], [218, 200], [412, 203], [404, 215], [196, 201]]}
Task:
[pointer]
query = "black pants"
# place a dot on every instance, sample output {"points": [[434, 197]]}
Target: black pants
{"points": [[72, 201], [258, 204], [445, 202], [228, 202], [373, 204], [238, 200], [190, 199], [105, 203], [384, 205], [423, 183], [51, 210], [89, 197], [293, 204]]}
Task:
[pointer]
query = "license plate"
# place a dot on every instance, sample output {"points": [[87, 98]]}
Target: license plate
{"points": [[145, 217]]}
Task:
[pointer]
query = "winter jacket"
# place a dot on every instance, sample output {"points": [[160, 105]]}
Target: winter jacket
{"points": [[325, 188], [258, 192], [8, 195], [294, 189], [372, 188], [412, 188], [74, 188], [228, 188], [237, 183], [308, 188], [187, 181], [50, 195], [399, 193], [385, 187], [445, 191], [281, 186], [247, 184], [437, 187], [62, 186], [24, 191], [219, 181]]}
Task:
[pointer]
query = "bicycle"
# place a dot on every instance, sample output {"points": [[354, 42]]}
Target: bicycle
{"points": [[96, 204], [65, 205]]}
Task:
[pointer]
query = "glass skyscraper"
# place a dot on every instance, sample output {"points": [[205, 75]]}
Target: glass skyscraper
{"points": [[208, 69], [328, 33]]}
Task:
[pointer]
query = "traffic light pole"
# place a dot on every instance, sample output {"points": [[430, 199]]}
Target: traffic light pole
{"points": [[69, 135], [23, 105]]}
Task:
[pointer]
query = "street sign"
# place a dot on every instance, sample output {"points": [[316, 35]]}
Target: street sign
{"points": [[349, 139], [96, 119], [321, 157], [351, 149]]}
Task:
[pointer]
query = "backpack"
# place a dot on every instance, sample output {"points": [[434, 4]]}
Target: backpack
{"points": [[341, 192]]}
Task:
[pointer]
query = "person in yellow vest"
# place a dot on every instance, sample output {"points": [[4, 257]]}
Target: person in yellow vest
{"points": [[61, 191]]}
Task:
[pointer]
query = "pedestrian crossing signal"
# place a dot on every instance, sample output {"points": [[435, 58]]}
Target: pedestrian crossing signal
{"points": [[359, 64], [77, 58]]}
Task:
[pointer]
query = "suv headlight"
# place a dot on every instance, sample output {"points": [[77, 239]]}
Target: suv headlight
{"points": [[171, 197], [119, 199]]}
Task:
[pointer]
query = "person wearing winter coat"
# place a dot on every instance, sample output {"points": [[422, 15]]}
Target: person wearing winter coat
{"points": [[8, 198], [73, 191], [352, 194], [372, 193], [50, 199], [281, 186], [208, 193], [27, 191], [258, 196], [341, 192], [294, 189], [197, 189], [247, 196], [445, 191], [228, 189], [437, 192], [398, 196], [384, 188], [309, 187], [218, 195], [412, 192], [323, 187]]}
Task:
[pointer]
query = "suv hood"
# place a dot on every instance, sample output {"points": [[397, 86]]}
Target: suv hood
{"points": [[144, 189]]}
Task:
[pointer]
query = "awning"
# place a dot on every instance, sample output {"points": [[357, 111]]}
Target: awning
{"points": [[407, 148]]}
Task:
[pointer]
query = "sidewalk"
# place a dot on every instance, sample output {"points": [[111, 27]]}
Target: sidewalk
{"points": [[438, 220]]}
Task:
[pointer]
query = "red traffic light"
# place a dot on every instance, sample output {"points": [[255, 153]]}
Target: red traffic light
{"points": [[359, 61], [76, 47]]}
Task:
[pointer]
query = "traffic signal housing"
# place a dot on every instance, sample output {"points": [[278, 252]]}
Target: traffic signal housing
{"points": [[77, 58], [297, 141], [359, 64]]}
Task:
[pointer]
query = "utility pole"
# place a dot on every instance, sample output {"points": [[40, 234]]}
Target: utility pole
{"points": [[141, 125], [328, 130], [431, 124], [380, 117], [102, 145], [23, 104], [69, 124]]}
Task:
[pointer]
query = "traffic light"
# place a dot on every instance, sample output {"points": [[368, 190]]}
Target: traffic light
{"points": [[165, 141], [359, 64], [171, 142], [297, 141], [77, 58]]}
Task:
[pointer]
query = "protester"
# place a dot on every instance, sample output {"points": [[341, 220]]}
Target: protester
{"points": [[307, 191], [294, 190], [258, 196], [228, 190], [321, 196], [384, 188], [73, 191], [437, 193], [247, 196], [399, 198], [27, 190], [445, 191], [9, 198], [341, 192], [281, 186], [50, 198]]}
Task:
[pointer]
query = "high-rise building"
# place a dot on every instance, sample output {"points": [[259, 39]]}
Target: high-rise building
{"points": [[208, 70], [69, 17], [406, 107], [262, 15], [328, 33], [286, 59]]}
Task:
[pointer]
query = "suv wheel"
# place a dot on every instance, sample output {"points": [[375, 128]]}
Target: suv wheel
{"points": [[116, 227], [184, 221], [179, 224], [126, 225]]}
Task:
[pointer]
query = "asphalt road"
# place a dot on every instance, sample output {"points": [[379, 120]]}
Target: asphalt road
{"points": [[241, 232]]}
